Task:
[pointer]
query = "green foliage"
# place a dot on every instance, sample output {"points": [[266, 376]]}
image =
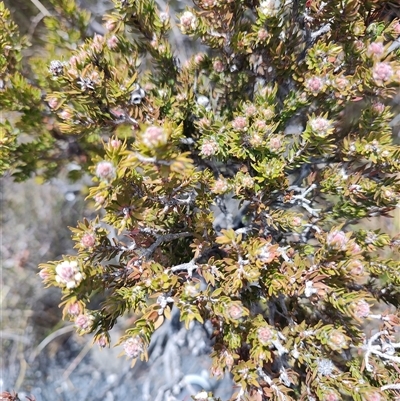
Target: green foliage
{"points": [[262, 115]]}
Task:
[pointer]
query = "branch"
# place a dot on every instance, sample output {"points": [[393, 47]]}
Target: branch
{"points": [[41, 8], [376, 350], [189, 267], [395, 386], [280, 395], [152, 160], [163, 238]]}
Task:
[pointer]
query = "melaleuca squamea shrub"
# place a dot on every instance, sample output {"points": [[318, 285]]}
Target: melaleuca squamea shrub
{"points": [[290, 282]]}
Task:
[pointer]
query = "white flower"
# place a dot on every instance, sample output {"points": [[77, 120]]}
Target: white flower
{"points": [[133, 347], [320, 125], [154, 137], [209, 147], [202, 396], [163, 301], [270, 8], [325, 367], [68, 274], [164, 17], [188, 21], [382, 72], [105, 170], [309, 290], [203, 101]]}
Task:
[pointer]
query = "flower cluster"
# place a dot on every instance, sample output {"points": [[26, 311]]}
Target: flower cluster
{"points": [[105, 170], [133, 347], [68, 274]]}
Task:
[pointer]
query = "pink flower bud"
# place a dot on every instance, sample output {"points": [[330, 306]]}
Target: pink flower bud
{"points": [[88, 240], [74, 60], [229, 361], [341, 83], [275, 143], [74, 309], [84, 322], [314, 84], [220, 186], [269, 113], [331, 396], [98, 42], [356, 267], [255, 140], [250, 110], [110, 25], [389, 194], [358, 45], [375, 49], [361, 309], [247, 181], [105, 170], [66, 114], [235, 311], [372, 396], [94, 76], [68, 273], [204, 123], [218, 66], [99, 199], [337, 240], [102, 341], [355, 248], [208, 3], [209, 147], [198, 58], [260, 125], [265, 335], [112, 43], [297, 221], [337, 340], [378, 107], [53, 102], [115, 143], [239, 123], [44, 274], [188, 22], [262, 34], [382, 72], [154, 137], [216, 371], [320, 126], [133, 347]]}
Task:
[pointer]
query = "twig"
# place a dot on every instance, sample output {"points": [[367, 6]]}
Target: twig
{"points": [[324, 29], [77, 360], [48, 340], [395, 386], [163, 238], [370, 349], [41, 8], [280, 395], [189, 267], [22, 373], [152, 160]]}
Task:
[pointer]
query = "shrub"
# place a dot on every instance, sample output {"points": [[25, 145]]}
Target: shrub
{"points": [[234, 186]]}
